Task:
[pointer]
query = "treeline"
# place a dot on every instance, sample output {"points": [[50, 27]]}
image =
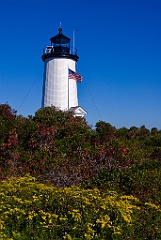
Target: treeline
{"points": [[61, 179], [54, 146]]}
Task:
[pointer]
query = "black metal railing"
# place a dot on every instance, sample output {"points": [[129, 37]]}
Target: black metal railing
{"points": [[59, 49]]}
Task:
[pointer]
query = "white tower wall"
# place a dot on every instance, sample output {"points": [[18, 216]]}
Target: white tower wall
{"points": [[58, 90]]}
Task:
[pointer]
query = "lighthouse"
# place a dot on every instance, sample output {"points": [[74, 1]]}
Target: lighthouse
{"points": [[60, 77]]}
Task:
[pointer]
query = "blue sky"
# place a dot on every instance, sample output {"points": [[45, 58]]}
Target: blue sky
{"points": [[119, 48]]}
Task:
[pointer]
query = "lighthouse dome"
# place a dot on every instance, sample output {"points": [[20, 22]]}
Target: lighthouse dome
{"points": [[60, 38]]}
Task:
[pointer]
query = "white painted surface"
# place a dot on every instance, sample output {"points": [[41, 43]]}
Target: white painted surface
{"points": [[57, 89]]}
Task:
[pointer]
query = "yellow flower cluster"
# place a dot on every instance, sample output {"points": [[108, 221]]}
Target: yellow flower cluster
{"points": [[31, 209]]}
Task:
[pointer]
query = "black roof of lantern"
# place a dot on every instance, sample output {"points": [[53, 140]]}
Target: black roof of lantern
{"points": [[60, 38]]}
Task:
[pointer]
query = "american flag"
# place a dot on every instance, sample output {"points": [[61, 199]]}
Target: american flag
{"points": [[75, 76]]}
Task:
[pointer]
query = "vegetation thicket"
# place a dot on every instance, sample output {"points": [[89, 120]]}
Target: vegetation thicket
{"points": [[61, 179]]}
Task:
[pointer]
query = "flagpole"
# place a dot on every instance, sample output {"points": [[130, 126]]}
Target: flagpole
{"points": [[68, 88], [73, 41], [74, 50]]}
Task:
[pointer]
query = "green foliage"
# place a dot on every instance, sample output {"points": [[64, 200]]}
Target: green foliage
{"points": [[142, 180], [105, 131]]}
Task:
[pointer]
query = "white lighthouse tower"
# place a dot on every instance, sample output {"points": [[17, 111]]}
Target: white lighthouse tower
{"points": [[60, 62]]}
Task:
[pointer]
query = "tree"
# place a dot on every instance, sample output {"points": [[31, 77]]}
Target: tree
{"points": [[105, 131]]}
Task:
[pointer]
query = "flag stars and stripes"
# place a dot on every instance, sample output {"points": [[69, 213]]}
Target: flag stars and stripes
{"points": [[75, 76]]}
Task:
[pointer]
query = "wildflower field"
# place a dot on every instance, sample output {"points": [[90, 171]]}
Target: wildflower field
{"points": [[32, 210]]}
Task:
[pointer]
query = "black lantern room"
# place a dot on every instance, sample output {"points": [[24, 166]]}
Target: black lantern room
{"points": [[59, 48]]}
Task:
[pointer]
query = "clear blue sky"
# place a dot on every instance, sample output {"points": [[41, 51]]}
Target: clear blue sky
{"points": [[119, 45]]}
